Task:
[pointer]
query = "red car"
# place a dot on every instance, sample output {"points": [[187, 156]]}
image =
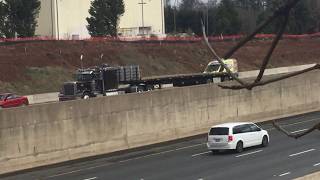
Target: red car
{"points": [[12, 100]]}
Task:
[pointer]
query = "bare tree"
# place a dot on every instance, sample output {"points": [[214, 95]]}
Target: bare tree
{"points": [[283, 14]]}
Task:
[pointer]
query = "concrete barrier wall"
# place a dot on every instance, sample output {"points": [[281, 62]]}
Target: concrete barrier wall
{"points": [[274, 71], [55, 132], [43, 98]]}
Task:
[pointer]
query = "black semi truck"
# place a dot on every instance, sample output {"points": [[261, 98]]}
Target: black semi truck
{"points": [[105, 80]]}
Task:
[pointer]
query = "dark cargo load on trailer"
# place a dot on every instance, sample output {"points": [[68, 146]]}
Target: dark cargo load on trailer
{"points": [[129, 73]]}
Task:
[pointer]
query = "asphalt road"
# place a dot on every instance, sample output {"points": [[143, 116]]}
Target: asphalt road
{"points": [[284, 158]]}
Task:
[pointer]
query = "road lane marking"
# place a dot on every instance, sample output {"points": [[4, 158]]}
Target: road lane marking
{"points": [[287, 173], [296, 154], [194, 155], [301, 122], [254, 152], [104, 165], [189, 146], [316, 164], [163, 152], [79, 170], [91, 178], [298, 131]]}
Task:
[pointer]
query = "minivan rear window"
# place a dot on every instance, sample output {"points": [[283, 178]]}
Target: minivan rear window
{"points": [[219, 131]]}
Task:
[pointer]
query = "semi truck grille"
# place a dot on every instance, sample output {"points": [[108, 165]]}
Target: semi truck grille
{"points": [[69, 89]]}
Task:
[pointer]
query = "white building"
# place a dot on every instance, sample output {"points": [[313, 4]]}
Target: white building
{"points": [[66, 19]]}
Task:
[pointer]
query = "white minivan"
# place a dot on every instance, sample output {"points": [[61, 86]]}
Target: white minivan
{"points": [[236, 136]]}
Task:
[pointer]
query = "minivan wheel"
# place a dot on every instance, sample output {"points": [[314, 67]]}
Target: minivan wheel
{"points": [[239, 147], [214, 151], [265, 141]]}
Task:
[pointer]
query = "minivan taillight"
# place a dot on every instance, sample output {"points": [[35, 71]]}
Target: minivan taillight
{"points": [[230, 138]]}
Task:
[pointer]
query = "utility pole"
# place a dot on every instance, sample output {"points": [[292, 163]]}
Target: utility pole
{"points": [[174, 17], [57, 13], [142, 4]]}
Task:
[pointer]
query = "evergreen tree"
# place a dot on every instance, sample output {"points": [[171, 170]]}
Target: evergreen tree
{"points": [[104, 18], [24, 16], [18, 17], [226, 20], [7, 29], [301, 19], [189, 16], [248, 11], [169, 15], [212, 12], [2, 19]]}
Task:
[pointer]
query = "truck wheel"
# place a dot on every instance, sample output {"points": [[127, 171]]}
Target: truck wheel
{"points": [[140, 89], [149, 88], [209, 81], [85, 96]]}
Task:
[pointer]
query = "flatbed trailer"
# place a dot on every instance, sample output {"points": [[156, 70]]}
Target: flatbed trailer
{"points": [[182, 79], [105, 80]]}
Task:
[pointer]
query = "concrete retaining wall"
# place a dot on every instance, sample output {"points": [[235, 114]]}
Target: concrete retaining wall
{"points": [[274, 71], [43, 98], [50, 133]]}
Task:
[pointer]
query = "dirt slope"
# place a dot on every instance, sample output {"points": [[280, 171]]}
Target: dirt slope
{"points": [[38, 67]]}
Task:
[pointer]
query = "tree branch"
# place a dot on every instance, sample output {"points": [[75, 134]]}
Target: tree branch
{"points": [[273, 46], [282, 10], [261, 83], [213, 52]]}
